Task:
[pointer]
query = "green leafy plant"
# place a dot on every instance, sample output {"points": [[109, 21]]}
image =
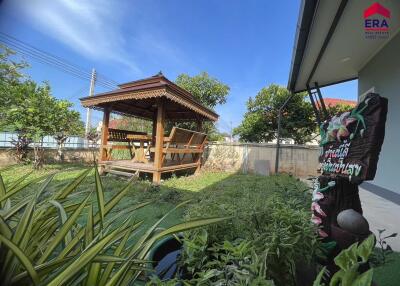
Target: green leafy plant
{"points": [[380, 256], [207, 90], [260, 121], [30, 109], [67, 237], [350, 261], [275, 223], [226, 263]]}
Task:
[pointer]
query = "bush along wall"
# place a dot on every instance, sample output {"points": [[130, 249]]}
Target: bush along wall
{"points": [[269, 235], [269, 241]]}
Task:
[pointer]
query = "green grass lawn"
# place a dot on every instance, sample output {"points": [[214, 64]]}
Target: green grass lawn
{"points": [[171, 192], [208, 188]]}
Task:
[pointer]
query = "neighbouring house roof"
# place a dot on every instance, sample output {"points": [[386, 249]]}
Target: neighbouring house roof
{"points": [[138, 98], [331, 43], [337, 101]]}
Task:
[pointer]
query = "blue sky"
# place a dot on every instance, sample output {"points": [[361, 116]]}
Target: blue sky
{"points": [[245, 44]]}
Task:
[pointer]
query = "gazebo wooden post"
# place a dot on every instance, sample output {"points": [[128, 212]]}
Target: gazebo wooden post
{"points": [[198, 156], [159, 144], [104, 135], [199, 125], [153, 134]]}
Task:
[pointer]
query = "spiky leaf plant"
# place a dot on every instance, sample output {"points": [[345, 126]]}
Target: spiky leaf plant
{"points": [[44, 242]]}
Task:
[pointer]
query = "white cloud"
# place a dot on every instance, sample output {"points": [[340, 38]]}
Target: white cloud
{"points": [[91, 28]]}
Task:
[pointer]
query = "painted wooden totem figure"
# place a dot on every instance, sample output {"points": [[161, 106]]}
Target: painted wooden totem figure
{"points": [[351, 143]]}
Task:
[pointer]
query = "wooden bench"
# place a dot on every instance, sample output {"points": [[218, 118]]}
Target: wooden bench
{"points": [[118, 135], [122, 136], [182, 142]]}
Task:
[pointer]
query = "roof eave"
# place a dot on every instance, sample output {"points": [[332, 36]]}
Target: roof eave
{"points": [[306, 17], [162, 90]]}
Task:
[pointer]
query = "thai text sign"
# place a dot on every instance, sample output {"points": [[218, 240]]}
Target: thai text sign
{"points": [[352, 141]]}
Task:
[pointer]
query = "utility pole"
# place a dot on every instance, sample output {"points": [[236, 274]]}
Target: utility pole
{"points": [[231, 132], [278, 135], [88, 110]]}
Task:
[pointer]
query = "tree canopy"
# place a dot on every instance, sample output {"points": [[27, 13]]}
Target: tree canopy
{"points": [[30, 109], [260, 123], [10, 71], [337, 109], [208, 90], [132, 123]]}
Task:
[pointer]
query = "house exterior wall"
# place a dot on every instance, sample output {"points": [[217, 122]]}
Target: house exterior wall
{"points": [[382, 73]]}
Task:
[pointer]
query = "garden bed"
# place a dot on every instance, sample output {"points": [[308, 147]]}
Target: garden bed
{"points": [[269, 219]]}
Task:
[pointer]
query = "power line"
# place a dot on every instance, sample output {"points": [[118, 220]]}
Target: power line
{"points": [[113, 82], [27, 48], [78, 92], [60, 67], [31, 48], [45, 61], [54, 61]]}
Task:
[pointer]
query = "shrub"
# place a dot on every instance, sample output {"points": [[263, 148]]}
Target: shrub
{"points": [[227, 263], [55, 238], [275, 223], [350, 261]]}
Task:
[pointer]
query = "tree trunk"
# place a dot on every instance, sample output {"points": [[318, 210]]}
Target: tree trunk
{"points": [[60, 148], [38, 152], [21, 148]]}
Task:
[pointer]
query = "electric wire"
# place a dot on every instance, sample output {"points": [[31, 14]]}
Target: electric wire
{"points": [[29, 50], [54, 61]]}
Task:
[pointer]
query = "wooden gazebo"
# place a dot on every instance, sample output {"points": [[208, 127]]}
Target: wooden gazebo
{"points": [[156, 99]]}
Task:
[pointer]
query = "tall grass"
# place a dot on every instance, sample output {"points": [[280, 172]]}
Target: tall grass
{"points": [[44, 242]]}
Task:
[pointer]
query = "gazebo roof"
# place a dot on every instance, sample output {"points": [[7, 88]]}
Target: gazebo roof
{"points": [[138, 98]]}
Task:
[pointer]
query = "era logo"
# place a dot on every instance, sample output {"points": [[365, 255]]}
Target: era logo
{"points": [[374, 23]]}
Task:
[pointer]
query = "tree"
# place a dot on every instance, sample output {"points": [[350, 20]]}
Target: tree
{"points": [[260, 123], [35, 113], [10, 71], [31, 114], [338, 109], [214, 135], [10, 77], [133, 123], [210, 92], [67, 123], [31, 110]]}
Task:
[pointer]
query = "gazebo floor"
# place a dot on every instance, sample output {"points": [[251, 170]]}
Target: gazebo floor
{"points": [[129, 165]]}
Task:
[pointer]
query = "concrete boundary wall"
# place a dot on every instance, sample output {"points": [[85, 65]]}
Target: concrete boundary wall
{"points": [[299, 160], [71, 155]]}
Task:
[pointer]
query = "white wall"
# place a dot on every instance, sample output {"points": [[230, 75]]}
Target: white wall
{"points": [[383, 74]]}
